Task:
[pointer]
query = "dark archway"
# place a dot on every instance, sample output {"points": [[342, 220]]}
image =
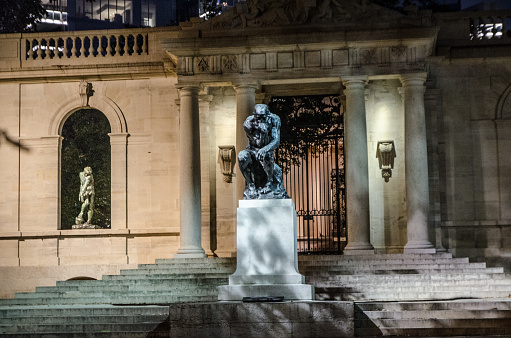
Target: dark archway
{"points": [[85, 143]]}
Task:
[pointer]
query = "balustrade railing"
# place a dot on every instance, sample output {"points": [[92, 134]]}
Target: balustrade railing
{"points": [[489, 27], [86, 46]]}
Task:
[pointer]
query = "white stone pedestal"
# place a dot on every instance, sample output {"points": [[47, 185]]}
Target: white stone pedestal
{"points": [[267, 259]]}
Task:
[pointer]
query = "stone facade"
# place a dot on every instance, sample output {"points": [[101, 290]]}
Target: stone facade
{"points": [[417, 79]]}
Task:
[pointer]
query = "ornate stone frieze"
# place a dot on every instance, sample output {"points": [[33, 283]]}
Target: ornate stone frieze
{"points": [[202, 64], [230, 63], [299, 60]]}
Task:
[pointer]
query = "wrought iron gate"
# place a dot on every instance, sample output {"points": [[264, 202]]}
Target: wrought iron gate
{"points": [[311, 156]]}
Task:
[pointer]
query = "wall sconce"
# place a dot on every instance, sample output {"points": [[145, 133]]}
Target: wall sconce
{"points": [[227, 159], [385, 152]]}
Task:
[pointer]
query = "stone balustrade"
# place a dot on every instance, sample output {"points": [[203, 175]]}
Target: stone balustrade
{"points": [[88, 45], [490, 27], [91, 49], [475, 26]]}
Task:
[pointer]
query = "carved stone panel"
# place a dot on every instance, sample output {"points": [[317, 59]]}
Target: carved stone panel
{"points": [[340, 57], [285, 60], [257, 61], [230, 63], [313, 59]]}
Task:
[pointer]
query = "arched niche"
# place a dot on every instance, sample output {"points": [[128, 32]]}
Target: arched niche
{"points": [[118, 147], [85, 143]]}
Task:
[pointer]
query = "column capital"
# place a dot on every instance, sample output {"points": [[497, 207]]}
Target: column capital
{"points": [[242, 86], [118, 138], [188, 88], [414, 79], [349, 81]]}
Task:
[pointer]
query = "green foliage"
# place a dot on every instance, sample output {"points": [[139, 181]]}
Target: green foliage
{"points": [[18, 16], [212, 9], [86, 143], [308, 125]]}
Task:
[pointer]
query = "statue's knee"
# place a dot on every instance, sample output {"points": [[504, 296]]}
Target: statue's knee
{"points": [[243, 156]]}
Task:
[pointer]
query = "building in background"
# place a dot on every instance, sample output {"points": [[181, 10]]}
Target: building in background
{"points": [[75, 15]]}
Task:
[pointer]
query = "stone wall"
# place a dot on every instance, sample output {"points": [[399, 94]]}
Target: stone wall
{"points": [[473, 157]]}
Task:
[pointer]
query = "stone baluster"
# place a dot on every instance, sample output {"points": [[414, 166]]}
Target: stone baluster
{"points": [[416, 165], [30, 50], [39, 49], [74, 50], [109, 49], [146, 44], [357, 174], [82, 48], [190, 173], [245, 102], [65, 52], [118, 45]]}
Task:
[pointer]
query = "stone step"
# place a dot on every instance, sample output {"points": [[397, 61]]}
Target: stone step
{"points": [[215, 260], [134, 299], [159, 276], [496, 331], [350, 262], [170, 270], [418, 285], [376, 289], [503, 304], [83, 320], [318, 258], [393, 266], [129, 286], [426, 315], [385, 295], [401, 271], [439, 277], [192, 290]]}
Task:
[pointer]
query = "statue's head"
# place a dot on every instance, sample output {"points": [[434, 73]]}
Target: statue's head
{"points": [[87, 171], [261, 109]]}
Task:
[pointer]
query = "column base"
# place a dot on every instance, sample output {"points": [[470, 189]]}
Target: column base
{"points": [[360, 248], [190, 253], [419, 247]]}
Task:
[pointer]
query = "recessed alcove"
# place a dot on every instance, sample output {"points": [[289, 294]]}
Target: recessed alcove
{"points": [[85, 143]]}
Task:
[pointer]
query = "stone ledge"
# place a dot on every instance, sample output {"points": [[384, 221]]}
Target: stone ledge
{"points": [[20, 235]]}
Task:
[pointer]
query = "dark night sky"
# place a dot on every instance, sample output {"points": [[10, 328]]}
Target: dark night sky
{"points": [[504, 4]]}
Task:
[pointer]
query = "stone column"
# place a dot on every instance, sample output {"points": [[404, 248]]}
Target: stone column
{"points": [[245, 102], [190, 175], [357, 177], [416, 163]]}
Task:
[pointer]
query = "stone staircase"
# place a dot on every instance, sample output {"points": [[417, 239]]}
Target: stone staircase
{"points": [[166, 281], [400, 277], [407, 295], [462, 318]]}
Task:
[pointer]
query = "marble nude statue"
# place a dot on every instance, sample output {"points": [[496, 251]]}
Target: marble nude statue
{"points": [[263, 177], [86, 196]]}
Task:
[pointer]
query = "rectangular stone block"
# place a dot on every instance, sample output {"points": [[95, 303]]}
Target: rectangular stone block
{"points": [[287, 319], [267, 264]]}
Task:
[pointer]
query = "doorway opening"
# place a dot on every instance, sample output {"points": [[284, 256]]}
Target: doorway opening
{"points": [[311, 155]]}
